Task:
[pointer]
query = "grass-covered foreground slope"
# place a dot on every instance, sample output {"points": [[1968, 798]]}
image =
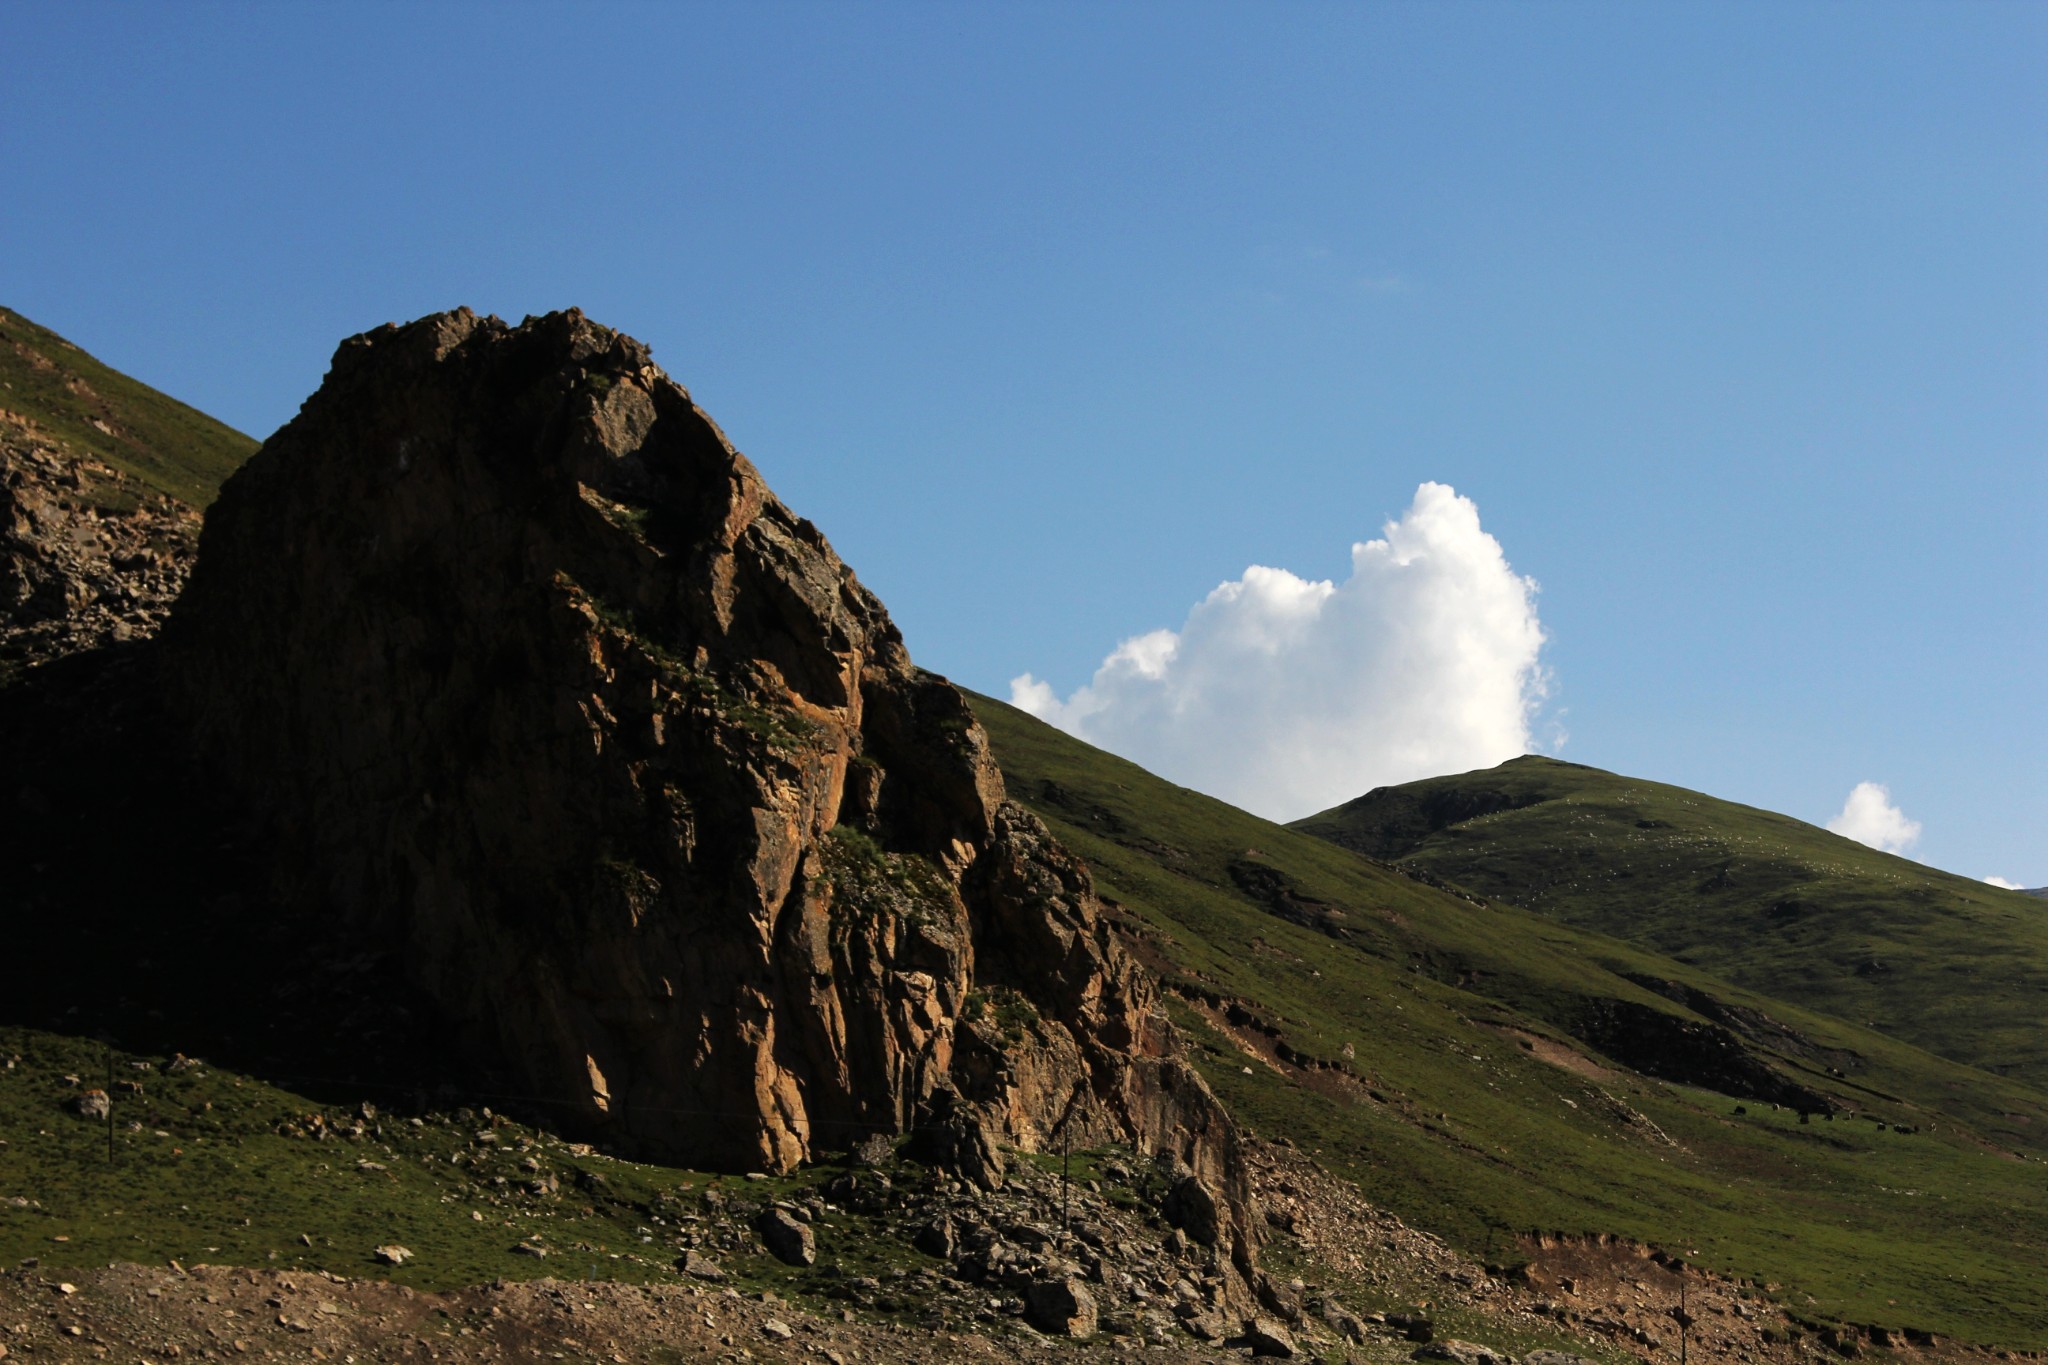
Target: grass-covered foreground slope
{"points": [[52, 390], [1431, 1047], [1955, 966], [210, 1166], [205, 1165]]}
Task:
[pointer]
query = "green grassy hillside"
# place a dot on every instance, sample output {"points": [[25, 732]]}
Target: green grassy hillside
{"points": [[1955, 966], [74, 401], [207, 1165], [1431, 1046]]}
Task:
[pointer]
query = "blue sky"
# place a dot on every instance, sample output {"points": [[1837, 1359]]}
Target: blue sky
{"points": [[1731, 322]]}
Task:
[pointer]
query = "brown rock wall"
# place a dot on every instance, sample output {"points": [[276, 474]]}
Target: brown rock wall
{"points": [[533, 676]]}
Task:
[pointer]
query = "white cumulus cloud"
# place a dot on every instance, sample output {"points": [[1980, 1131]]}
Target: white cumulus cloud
{"points": [[2002, 882], [1869, 817], [1285, 695]]}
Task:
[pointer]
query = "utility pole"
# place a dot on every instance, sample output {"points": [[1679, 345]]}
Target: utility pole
{"points": [[1066, 1185], [1680, 1315], [110, 1104], [1066, 1143], [1684, 1318]]}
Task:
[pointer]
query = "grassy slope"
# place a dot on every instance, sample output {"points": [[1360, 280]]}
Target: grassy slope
{"points": [[1953, 965], [166, 446], [209, 1166], [1456, 1126], [210, 1175]]}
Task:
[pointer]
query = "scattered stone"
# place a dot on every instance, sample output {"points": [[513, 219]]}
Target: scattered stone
{"points": [[93, 1105], [1413, 1326], [529, 1249], [1191, 1207], [1461, 1353], [939, 1238], [1061, 1307], [960, 1138], [778, 1329], [1343, 1321], [75, 575], [1282, 1300], [788, 1241], [1267, 1337], [698, 1266], [393, 1255]]}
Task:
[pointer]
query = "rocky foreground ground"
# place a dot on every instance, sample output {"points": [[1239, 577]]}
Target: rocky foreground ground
{"points": [[1576, 1301]]}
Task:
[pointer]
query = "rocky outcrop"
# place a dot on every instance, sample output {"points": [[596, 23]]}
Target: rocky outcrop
{"points": [[87, 556], [1691, 1052], [536, 681]]}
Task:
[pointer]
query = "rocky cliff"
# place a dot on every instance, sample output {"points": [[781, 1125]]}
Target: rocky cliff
{"points": [[534, 679], [85, 559]]}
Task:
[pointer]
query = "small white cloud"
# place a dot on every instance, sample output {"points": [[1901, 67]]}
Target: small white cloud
{"points": [[1285, 695], [2009, 886], [1869, 817]]}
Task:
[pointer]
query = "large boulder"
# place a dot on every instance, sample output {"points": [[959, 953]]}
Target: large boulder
{"points": [[1269, 1338], [539, 687], [1061, 1307], [787, 1240]]}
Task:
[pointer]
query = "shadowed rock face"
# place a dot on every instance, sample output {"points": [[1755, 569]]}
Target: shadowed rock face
{"points": [[534, 677]]}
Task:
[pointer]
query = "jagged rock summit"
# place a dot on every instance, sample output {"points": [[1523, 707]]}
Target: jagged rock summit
{"points": [[534, 678]]}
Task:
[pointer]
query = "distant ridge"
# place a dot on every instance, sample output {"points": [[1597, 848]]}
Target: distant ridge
{"points": [[1768, 902]]}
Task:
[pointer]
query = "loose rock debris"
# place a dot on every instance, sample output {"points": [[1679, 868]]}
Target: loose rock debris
{"points": [[1602, 1298]]}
